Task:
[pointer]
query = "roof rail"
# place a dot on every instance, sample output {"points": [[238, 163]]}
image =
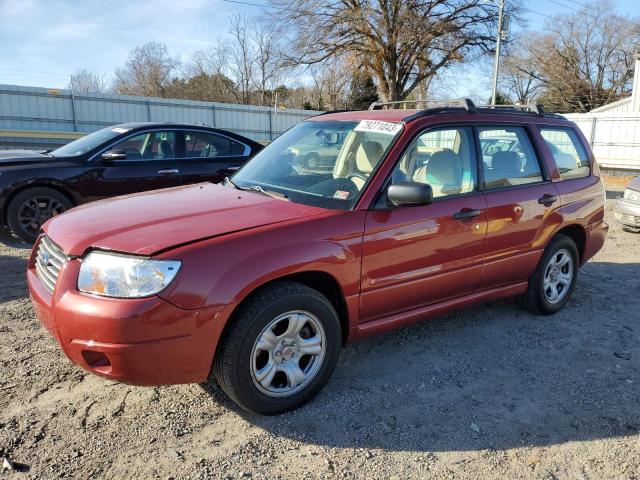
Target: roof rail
{"points": [[464, 103], [530, 107]]}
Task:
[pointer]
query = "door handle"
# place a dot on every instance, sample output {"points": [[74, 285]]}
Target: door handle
{"points": [[233, 169], [547, 199], [466, 213], [169, 171]]}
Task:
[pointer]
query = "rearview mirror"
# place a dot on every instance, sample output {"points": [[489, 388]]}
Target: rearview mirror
{"points": [[112, 155], [410, 194]]}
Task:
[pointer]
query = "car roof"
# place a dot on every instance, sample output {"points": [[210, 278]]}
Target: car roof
{"points": [[183, 126]]}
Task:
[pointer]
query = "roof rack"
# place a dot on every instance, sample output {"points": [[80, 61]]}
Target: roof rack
{"points": [[529, 107], [464, 103]]}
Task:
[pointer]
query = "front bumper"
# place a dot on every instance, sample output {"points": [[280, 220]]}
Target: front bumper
{"points": [[145, 341], [627, 212]]}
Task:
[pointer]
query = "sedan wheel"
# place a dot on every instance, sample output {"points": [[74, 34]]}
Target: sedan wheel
{"points": [[31, 208]]}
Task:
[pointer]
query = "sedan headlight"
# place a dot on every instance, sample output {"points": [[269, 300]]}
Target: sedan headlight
{"points": [[632, 195], [123, 276]]}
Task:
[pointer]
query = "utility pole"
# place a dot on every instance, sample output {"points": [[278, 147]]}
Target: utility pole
{"points": [[497, 60]]}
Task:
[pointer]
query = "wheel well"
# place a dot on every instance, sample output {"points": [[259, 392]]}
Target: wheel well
{"points": [[578, 235], [38, 185], [320, 281]]}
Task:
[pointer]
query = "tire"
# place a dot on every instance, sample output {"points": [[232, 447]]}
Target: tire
{"points": [[40, 202], [241, 360], [540, 293]]}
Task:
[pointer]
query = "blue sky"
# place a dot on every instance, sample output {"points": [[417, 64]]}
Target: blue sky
{"points": [[43, 41]]}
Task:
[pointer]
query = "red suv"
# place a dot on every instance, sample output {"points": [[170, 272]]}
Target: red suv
{"points": [[260, 281]]}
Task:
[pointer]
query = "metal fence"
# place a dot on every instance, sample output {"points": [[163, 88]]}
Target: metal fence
{"points": [[37, 116], [614, 139]]}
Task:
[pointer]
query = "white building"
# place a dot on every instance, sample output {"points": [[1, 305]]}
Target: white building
{"points": [[613, 130]]}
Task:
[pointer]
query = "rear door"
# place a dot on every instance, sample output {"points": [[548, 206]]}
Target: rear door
{"points": [[417, 256], [150, 163], [210, 157], [520, 201]]}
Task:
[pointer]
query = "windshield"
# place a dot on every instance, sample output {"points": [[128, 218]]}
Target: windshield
{"points": [[88, 142], [320, 163]]}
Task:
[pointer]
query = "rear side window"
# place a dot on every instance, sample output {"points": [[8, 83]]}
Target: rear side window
{"points": [[508, 159], [443, 158], [210, 145], [568, 152]]}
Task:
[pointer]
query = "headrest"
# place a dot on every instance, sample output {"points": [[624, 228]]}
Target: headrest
{"points": [[507, 163], [368, 155], [444, 168], [165, 147]]}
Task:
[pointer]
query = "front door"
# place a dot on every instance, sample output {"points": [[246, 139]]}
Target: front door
{"points": [[418, 256], [150, 163], [209, 157], [519, 199]]}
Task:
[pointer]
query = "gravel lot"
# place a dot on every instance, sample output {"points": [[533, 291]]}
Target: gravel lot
{"points": [[491, 392]]}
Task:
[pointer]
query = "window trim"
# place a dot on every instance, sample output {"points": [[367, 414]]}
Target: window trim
{"points": [[534, 148], [577, 137], [375, 204], [183, 132]]}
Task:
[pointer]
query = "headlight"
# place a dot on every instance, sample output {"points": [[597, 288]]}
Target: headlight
{"points": [[114, 275], [632, 195]]}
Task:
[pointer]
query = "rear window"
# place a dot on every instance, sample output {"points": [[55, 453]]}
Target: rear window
{"points": [[569, 154]]}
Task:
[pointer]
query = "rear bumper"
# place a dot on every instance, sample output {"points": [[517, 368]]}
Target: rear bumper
{"points": [[138, 341], [627, 212]]}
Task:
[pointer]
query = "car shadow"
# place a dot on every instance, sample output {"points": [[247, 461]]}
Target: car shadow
{"points": [[14, 272], [491, 377], [10, 240], [613, 194]]}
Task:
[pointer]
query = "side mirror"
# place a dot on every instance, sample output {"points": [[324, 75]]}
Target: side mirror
{"points": [[408, 194], [112, 155]]}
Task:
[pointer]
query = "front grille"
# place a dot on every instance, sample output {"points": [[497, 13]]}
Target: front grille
{"points": [[49, 262]]}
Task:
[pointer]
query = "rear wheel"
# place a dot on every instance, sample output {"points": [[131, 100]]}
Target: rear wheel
{"points": [[281, 349], [29, 209], [552, 284]]}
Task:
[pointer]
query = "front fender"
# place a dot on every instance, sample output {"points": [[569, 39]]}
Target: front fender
{"points": [[225, 270]]}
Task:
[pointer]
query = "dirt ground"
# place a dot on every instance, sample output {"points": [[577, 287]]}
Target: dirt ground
{"points": [[488, 393]]}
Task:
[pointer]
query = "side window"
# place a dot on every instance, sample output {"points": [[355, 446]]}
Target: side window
{"points": [[568, 152], [210, 145], [148, 146], [507, 157], [443, 158]]}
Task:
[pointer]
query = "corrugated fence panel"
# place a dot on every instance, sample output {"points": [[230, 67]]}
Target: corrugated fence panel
{"points": [[47, 110], [614, 139]]}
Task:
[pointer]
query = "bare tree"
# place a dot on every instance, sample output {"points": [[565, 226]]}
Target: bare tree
{"points": [[147, 72], [238, 55], [401, 42], [85, 81], [520, 76], [267, 58], [586, 59]]}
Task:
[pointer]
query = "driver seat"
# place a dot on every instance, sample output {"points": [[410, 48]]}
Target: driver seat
{"points": [[367, 157]]}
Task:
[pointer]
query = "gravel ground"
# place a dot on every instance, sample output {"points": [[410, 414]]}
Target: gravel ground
{"points": [[491, 392]]}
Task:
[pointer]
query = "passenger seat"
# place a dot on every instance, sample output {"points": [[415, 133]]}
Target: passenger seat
{"points": [[506, 165], [443, 173], [367, 156]]}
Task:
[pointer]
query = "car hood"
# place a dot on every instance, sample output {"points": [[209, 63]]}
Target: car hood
{"points": [[150, 222], [635, 184], [20, 156]]}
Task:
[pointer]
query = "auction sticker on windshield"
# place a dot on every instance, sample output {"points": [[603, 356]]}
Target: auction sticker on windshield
{"points": [[378, 127]]}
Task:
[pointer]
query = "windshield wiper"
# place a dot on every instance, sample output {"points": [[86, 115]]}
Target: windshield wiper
{"points": [[255, 188], [259, 189]]}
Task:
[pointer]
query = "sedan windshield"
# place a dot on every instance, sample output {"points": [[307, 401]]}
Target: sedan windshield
{"points": [[88, 142], [320, 163]]}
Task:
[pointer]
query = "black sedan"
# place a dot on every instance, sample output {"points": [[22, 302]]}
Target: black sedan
{"points": [[118, 160]]}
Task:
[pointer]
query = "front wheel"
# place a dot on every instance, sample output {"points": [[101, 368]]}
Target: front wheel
{"points": [[281, 349], [29, 209], [552, 284]]}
